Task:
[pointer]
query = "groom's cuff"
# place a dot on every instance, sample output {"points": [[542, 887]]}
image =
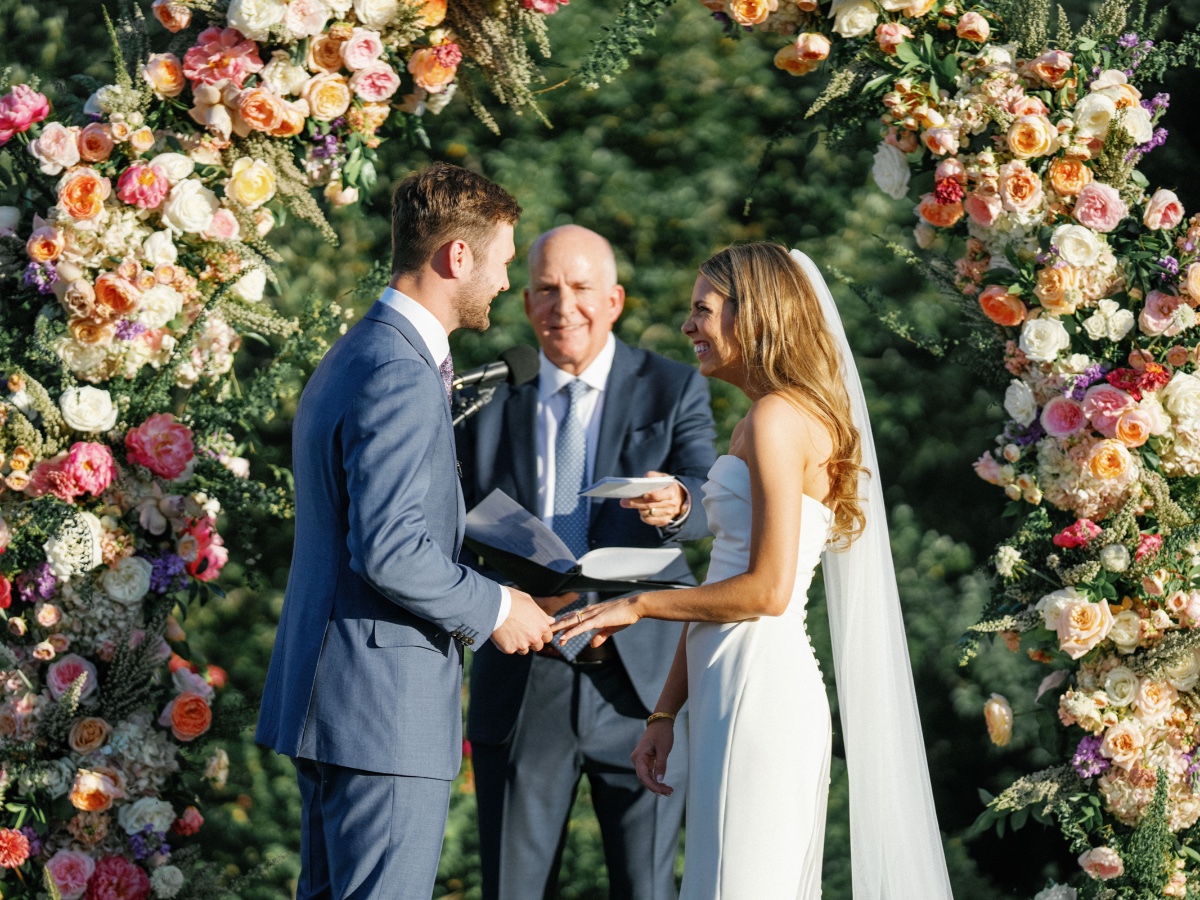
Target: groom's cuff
{"points": [[676, 523], [505, 606]]}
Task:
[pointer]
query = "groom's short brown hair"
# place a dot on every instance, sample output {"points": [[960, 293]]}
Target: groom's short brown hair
{"points": [[442, 203]]}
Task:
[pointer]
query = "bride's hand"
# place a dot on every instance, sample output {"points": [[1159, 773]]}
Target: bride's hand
{"points": [[650, 756], [605, 619]]}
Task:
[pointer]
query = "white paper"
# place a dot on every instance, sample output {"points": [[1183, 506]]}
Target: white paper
{"points": [[616, 488], [501, 522], [664, 564]]}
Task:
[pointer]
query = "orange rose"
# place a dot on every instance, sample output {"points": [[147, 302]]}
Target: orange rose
{"points": [[1133, 428], [87, 331], [433, 13], [1031, 136], [940, 215], [751, 12], [813, 46], [173, 16], [1068, 176], [95, 142], [1109, 459], [788, 58], [1002, 307], [261, 109], [1058, 289], [45, 244], [1020, 187], [96, 789], [190, 716], [325, 53], [115, 297], [89, 734], [164, 73], [292, 121], [81, 194], [1051, 67], [429, 73], [327, 95], [916, 9]]}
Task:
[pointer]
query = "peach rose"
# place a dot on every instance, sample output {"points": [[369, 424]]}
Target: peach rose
{"points": [[1109, 459], [1163, 211], [917, 8], [173, 15], [141, 140], [433, 12], [813, 46], [429, 72], [1069, 176], [752, 12], [96, 789], [1020, 188], [1051, 67], [45, 244], [81, 193], [1058, 288], [324, 54], [164, 73], [327, 95], [115, 297], [91, 333], [1191, 281], [788, 58], [1083, 624], [1123, 744], [1031, 136], [95, 142], [973, 27], [940, 141], [984, 207], [251, 183], [89, 734], [1133, 428], [890, 35], [1102, 863], [999, 717], [1002, 307], [261, 109], [1154, 700], [940, 215], [292, 123], [188, 716]]}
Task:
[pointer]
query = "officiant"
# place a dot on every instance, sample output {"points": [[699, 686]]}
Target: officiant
{"points": [[537, 723]]}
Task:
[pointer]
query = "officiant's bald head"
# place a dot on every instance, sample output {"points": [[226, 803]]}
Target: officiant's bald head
{"points": [[573, 297]]}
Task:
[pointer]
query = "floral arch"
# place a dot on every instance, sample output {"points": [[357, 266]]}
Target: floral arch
{"points": [[138, 258]]}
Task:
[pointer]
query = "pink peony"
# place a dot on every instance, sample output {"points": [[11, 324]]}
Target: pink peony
{"points": [[62, 674], [1063, 417], [203, 549], [1148, 546], [224, 226], [1102, 863], [143, 186], [1077, 535], [362, 49], [221, 54], [375, 83], [983, 207], [1158, 315], [189, 823], [50, 477], [20, 108], [116, 878], [1104, 405], [1163, 211], [1100, 207], [91, 465], [70, 871], [161, 444]]}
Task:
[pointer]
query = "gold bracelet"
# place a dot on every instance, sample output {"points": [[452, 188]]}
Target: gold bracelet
{"points": [[655, 717]]}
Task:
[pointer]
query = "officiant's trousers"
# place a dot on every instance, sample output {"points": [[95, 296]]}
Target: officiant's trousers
{"points": [[576, 720]]}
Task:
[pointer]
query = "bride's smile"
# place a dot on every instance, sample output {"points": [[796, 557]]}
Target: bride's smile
{"points": [[712, 328]]}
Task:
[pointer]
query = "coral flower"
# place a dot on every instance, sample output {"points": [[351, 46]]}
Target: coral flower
{"points": [[143, 186], [14, 848], [161, 444], [221, 54]]}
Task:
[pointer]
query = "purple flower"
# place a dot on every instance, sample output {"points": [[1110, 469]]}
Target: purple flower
{"points": [[167, 574], [41, 276], [35, 842], [1127, 41], [1024, 435], [127, 331], [37, 583], [1088, 761]]}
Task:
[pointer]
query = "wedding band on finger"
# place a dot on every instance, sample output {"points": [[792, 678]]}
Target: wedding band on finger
{"points": [[578, 617], [653, 512]]}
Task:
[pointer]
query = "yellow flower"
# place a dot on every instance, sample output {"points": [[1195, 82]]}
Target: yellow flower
{"points": [[251, 184], [328, 96]]}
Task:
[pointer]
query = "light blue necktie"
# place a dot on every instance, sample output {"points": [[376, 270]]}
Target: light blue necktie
{"points": [[571, 512]]}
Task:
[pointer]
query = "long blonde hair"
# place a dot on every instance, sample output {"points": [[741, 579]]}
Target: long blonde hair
{"points": [[789, 351]]}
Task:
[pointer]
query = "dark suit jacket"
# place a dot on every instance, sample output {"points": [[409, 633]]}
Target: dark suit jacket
{"points": [[656, 416]]}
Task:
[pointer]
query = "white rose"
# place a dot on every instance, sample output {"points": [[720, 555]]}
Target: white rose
{"points": [[76, 548], [1057, 892], [891, 171], [1115, 557], [158, 814], [250, 286], [128, 581], [10, 218], [166, 882], [190, 207], [1121, 686], [1093, 114], [160, 305], [159, 249], [376, 13], [282, 76], [1136, 121], [306, 18], [82, 359], [1043, 339], [1052, 605], [1019, 402], [1126, 630], [88, 409], [1109, 321], [1184, 674], [1109, 78], [1181, 396], [1160, 422], [340, 7], [1077, 245], [101, 100], [254, 18], [853, 18], [176, 166]]}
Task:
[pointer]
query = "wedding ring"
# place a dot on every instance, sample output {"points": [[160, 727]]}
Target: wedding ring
{"points": [[653, 513], [578, 617]]}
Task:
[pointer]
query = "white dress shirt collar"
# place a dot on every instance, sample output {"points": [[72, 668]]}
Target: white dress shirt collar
{"points": [[426, 323], [552, 379]]}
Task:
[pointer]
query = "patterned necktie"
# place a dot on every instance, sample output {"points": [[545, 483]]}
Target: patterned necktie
{"points": [[571, 511], [446, 370]]}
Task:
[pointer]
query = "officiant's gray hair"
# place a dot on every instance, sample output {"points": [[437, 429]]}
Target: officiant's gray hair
{"points": [[605, 256]]}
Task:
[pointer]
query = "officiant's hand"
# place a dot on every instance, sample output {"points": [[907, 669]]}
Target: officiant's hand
{"points": [[526, 628], [606, 619], [551, 605], [650, 756], [662, 507]]}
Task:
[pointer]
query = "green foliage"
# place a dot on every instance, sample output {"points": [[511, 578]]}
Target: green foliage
{"points": [[611, 53]]}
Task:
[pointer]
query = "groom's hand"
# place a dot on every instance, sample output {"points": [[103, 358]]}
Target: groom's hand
{"points": [[526, 628]]}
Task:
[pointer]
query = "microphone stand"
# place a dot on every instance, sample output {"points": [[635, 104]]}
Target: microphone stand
{"points": [[464, 409]]}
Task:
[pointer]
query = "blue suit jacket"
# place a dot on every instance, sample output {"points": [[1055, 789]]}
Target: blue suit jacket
{"points": [[367, 667], [656, 416]]}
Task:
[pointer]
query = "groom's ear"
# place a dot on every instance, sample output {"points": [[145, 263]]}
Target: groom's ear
{"points": [[453, 259]]}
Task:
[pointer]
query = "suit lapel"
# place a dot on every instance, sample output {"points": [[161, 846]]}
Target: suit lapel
{"points": [[520, 411], [619, 396], [381, 312]]}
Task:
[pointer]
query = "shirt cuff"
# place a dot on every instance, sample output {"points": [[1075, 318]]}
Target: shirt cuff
{"points": [[505, 606], [676, 523]]}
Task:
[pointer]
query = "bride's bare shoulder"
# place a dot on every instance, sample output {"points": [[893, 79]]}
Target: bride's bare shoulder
{"points": [[778, 422]]}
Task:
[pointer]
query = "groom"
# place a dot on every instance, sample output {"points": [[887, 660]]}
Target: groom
{"points": [[365, 682]]}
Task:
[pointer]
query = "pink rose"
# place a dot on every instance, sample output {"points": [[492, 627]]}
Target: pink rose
{"points": [[812, 46], [984, 207], [161, 444], [306, 18], [1077, 535], [143, 186], [940, 141], [221, 54], [1104, 405], [224, 226], [891, 35], [206, 555], [1163, 211], [21, 108], [375, 83], [116, 878], [62, 674], [70, 871], [973, 27], [1063, 417], [1028, 106], [951, 168], [189, 823], [57, 148], [363, 48], [1158, 315], [91, 465], [1100, 207], [1102, 863], [989, 469]]}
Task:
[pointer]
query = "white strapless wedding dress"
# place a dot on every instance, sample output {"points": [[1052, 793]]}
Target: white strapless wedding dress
{"points": [[759, 728]]}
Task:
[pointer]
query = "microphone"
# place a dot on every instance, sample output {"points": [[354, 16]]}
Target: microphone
{"points": [[516, 365]]}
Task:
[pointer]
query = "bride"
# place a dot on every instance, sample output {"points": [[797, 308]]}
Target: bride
{"points": [[788, 494]]}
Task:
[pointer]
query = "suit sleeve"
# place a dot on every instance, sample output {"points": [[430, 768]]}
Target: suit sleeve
{"points": [[391, 433], [692, 453]]}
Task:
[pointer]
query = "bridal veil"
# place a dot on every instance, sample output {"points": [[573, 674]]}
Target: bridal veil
{"points": [[895, 846]]}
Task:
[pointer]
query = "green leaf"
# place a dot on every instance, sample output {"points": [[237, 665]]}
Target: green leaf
{"points": [[1019, 818], [906, 54]]}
